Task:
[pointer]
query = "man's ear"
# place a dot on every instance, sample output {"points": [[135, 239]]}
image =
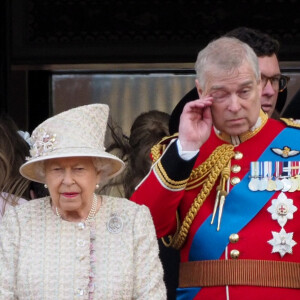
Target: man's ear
{"points": [[199, 90]]}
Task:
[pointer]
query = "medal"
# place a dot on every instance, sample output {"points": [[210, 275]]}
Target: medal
{"points": [[261, 176], [253, 184], [294, 183], [263, 184], [282, 210], [298, 180], [271, 185], [254, 175], [286, 174], [294, 173], [282, 242], [286, 184], [266, 171], [278, 183]]}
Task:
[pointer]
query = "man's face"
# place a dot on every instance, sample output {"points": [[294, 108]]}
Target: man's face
{"points": [[236, 94], [269, 67]]}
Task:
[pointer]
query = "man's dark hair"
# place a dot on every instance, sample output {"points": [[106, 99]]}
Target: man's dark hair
{"points": [[262, 43]]}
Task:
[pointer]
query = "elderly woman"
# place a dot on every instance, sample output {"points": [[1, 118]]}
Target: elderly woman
{"points": [[76, 244]]}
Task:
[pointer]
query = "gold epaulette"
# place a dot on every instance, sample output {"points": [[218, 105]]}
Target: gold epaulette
{"points": [[291, 122], [158, 149]]}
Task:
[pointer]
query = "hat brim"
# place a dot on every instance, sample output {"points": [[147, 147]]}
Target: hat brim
{"points": [[32, 168]]}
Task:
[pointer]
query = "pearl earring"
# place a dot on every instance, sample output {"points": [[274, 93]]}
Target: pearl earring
{"points": [[97, 186], [45, 186]]}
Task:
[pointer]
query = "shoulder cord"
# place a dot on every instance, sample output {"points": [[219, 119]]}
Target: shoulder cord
{"points": [[216, 163]]}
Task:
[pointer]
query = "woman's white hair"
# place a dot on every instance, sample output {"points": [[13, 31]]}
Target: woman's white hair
{"points": [[227, 54]]}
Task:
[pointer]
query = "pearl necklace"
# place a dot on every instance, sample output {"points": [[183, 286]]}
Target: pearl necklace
{"points": [[92, 212]]}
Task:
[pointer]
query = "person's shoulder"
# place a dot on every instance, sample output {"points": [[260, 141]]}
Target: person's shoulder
{"points": [[126, 212], [160, 147], [31, 205], [290, 122], [124, 204], [24, 213], [119, 201], [167, 139]]}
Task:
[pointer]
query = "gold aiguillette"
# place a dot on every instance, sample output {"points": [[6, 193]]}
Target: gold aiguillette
{"points": [[221, 196]]}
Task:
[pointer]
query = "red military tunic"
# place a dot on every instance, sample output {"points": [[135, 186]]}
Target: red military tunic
{"points": [[164, 192]]}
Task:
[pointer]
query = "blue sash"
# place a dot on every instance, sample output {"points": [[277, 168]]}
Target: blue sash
{"points": [[240, 208]]}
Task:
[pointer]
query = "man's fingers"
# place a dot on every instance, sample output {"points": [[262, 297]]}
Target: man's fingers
{"points": [[199, 103]]}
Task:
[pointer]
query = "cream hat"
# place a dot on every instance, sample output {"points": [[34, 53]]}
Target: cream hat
{"points": [[76, 132]]}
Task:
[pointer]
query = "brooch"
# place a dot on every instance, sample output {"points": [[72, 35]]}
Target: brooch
{"points": [[42, 143], [115, 224]]}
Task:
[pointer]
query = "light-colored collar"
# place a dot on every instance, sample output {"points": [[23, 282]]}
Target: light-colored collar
{"points": [[237, 139]]}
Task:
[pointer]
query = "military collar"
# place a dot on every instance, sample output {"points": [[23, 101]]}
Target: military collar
{"points": [[237, 139]]}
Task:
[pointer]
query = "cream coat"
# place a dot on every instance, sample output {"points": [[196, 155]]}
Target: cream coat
{"points": [[44, 257]]}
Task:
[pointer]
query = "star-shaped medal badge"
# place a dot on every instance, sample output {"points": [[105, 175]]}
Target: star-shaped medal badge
{"points": [[282, 242], [282, 209]]}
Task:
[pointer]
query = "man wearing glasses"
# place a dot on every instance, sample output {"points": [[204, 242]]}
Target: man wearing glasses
{"points": [[266, 48], [273, 82]]}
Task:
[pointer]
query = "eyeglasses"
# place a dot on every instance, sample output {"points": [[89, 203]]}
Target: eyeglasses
{"points": [[278, 82]]}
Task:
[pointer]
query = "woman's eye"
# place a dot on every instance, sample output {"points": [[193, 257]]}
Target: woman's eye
{"points": [[55, 169]]}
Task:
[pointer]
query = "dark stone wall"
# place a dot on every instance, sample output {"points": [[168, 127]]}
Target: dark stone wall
{"points": [[4, 54], [81, 31]]}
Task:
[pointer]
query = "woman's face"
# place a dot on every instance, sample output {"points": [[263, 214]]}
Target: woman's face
{"points": [[71, 183]]}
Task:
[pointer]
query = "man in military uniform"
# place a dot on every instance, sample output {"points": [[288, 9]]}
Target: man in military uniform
{"points": [[232, 206], [274, 84]]}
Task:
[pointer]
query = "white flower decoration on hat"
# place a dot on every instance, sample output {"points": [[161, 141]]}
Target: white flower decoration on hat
{"points": [[282, 242], [26, 136], [282, 209], [42, 142]]}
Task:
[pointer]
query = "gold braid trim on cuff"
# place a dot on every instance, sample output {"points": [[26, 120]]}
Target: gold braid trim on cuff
{"points": [[211, 170]]}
